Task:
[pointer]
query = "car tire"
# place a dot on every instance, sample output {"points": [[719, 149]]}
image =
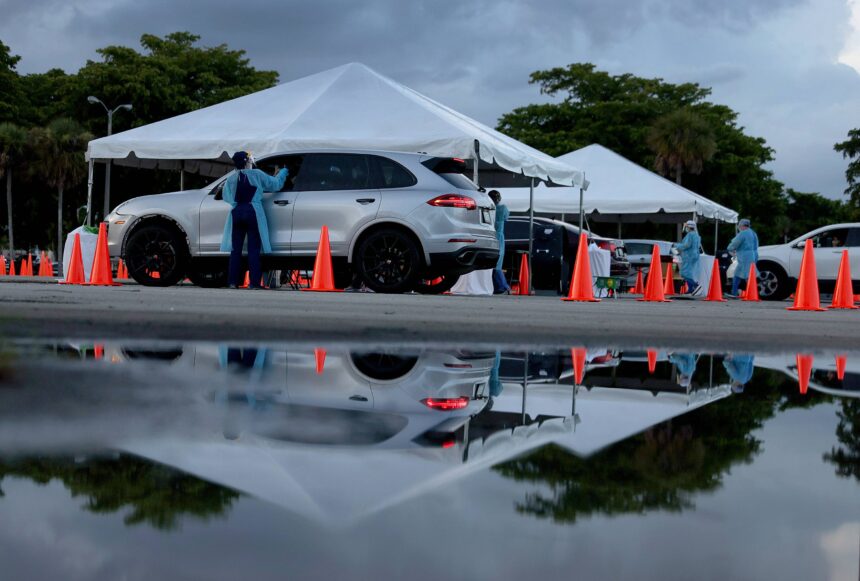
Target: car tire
{"points": [[772, 282], [208, 278], [384, 366], [388, 261], [156, 248], [438, 285]]}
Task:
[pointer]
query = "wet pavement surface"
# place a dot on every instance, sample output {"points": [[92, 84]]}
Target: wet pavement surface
{"points": [[202, 460]]}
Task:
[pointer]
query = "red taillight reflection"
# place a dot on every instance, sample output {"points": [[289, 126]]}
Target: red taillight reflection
{"points": [[446, 404], [453, 201], [449, 444]]}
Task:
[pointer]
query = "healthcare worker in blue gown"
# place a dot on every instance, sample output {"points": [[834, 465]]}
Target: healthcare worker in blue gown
{"points": [[500, 283], [688, 248], [745, 248], [243, 190]]}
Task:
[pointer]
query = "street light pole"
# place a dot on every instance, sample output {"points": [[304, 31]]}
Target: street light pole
{"points": [[110, 113]]}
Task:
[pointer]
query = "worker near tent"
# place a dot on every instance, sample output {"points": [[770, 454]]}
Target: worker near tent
{"points": [[744, 247], [243, 190], [500, 283], [689, 251]]}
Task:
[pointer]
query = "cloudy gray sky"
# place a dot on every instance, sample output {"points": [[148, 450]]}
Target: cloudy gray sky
{"points": [[790, 67]]}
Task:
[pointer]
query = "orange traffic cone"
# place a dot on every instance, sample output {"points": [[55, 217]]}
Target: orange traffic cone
{"points": [[121, 270], [319, 357], [247, 282], [715, 289], [2, 266], [639, 287], [652, 361], [323, 279], [843, 295], [751, 293], [806, 297], [841, 363], [75, 274], [27, 266], [12, 267], [577, 355], [654, 286], [581, 283], [804, 370], [669, 286], [101, 273], [524, 284]]}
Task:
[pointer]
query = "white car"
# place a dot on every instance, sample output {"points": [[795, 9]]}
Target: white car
{"points": [[779, 264]]}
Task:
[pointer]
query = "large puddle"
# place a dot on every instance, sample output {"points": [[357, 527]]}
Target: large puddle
{"points": [[129, 460]]}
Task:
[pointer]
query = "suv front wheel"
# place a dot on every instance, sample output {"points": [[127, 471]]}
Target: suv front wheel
{"points": [[156, 255], [772, 282], [388, 261]]}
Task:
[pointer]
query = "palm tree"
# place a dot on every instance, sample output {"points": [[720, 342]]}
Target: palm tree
{"points": [[13, 140], [682, 141], [61, 149]]}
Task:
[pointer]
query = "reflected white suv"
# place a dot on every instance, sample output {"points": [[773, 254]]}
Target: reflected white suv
{"points": [[779, 264], [398, 220]]}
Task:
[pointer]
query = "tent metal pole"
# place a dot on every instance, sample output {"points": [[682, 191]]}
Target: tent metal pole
{"points": [[90, 193], [525, 385], [581, 203], [182, 177], [716, 234], [531, 230]]}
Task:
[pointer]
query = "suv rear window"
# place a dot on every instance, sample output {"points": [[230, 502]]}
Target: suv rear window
{"points": [[390, 174], [451, 170]]}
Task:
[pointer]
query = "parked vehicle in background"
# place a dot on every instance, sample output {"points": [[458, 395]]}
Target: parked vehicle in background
{"points": [[554, 251], [639, 253], [779, 264], [397, 219]]}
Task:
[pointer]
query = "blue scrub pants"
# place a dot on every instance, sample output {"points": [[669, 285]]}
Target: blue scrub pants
{"points": [[245, 224], [736, 285]]}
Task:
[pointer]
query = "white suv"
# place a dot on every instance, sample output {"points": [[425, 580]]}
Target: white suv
{"points": [[779, 264], [398, 220]]}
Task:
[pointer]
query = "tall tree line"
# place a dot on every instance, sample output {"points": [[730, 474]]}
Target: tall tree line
{"points": [[46, 122]]}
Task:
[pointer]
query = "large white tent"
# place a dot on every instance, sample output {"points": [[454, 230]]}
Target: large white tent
{"points": [[348, 107], [620, 191]]}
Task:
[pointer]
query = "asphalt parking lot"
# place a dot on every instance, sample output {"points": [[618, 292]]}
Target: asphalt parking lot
{"points": [[43, 310]]}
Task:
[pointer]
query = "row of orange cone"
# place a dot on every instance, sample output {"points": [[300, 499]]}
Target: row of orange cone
{"points": [[806, 298], [101, 273], [804, 366], [46, 267]]}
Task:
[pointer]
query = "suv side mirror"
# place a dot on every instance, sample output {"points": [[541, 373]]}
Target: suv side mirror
{"points": [[217, 190]]}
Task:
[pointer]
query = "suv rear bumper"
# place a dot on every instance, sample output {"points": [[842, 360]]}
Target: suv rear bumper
{"points": [[463, 260]]}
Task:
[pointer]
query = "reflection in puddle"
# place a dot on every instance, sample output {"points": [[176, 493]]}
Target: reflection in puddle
{"points": [[166, 434]]}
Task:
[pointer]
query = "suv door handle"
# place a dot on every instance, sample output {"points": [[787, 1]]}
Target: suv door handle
{"points": [[282, 202], [357, 398], [365, 201]]}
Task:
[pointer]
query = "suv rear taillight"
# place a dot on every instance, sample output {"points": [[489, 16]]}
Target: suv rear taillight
{"points": [[446, 404], [453, 201]]}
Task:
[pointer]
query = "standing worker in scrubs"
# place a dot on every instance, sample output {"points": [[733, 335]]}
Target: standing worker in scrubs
{"points": [[745, 248], [688, 249], [243, 190], [500, 283]]}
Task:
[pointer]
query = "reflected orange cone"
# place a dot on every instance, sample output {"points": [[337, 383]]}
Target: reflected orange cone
{"points": [[806, 297], [751, 293], [101, 273], [843, 294], [654, 286], [715, 290], [98, 351], [524, 284], [652, 361], [581, 283], [669, 286], [639, 287], [75, 274], [319, 357], [577, 356], [323, 279], [804, 370], [841, 363]]}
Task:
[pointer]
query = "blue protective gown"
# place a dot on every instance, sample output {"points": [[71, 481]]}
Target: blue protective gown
{"points": [[502, 214], [745, 244], [688, 249], [740, 367], [264, 183], [685, 362]]}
